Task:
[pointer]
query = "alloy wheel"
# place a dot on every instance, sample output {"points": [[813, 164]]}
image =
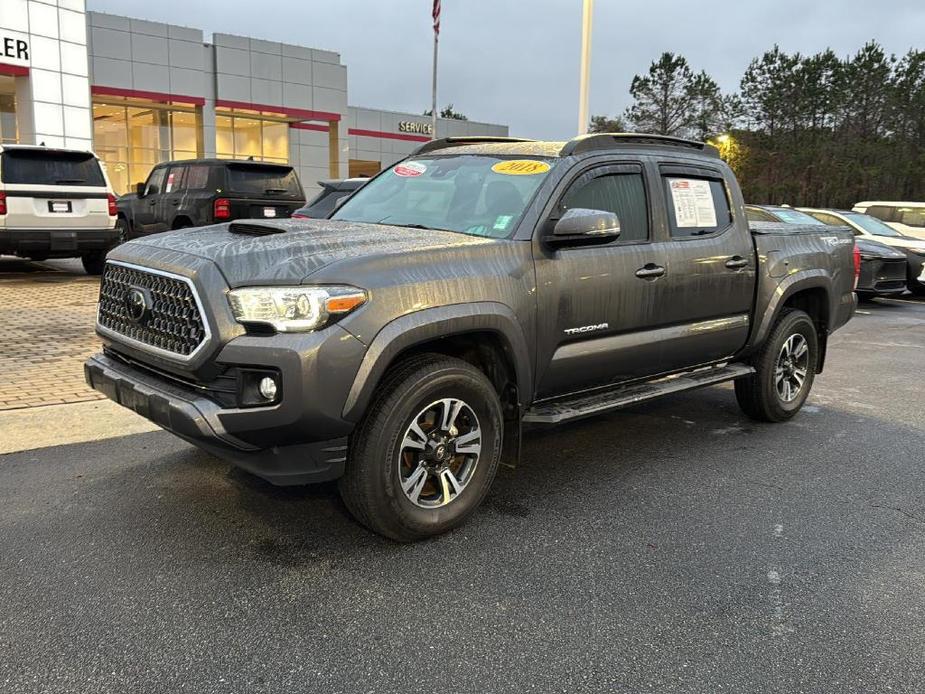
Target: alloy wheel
{"points": [[439, 453], [792, 366]]}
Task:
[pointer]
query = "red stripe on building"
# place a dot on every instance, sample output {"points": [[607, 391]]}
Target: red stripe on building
{"points": [[388, 136], [300, 113], [150, 96], [310, 126], [13, 70]]}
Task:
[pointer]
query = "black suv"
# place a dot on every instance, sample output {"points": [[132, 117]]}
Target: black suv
{"points": [[196, 192]]}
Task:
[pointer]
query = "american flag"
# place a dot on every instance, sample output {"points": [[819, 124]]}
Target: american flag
{"points": [[436, 16]]}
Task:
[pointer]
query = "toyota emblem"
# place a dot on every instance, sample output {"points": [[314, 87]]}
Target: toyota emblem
{"points": [[135, 301]]}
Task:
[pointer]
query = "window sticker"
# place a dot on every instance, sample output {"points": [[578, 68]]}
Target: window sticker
{"points": [[520, 167], [693, 203], [502, 221], [169, 185], [409, 169]]}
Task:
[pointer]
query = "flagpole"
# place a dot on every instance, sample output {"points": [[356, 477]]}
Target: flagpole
{"points": [[586, 15], [433, 99]]}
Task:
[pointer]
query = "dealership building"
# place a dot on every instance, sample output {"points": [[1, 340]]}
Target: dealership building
{"points": [[140, 92]]}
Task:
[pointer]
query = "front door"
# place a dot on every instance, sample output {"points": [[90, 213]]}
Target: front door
{"points": [[598, 306], [146, 207]]}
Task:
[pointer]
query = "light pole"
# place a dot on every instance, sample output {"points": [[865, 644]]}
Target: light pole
{"points": [[586, 14]]}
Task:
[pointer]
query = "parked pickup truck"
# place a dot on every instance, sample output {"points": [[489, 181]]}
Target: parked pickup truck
{"points": [[478, 286]]}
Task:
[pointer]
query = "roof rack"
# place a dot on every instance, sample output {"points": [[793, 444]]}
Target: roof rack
{"points": [[589, 143], [444, 142]]}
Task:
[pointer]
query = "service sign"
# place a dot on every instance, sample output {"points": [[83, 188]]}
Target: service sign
{"points": [[14, 48], [409, 126]]}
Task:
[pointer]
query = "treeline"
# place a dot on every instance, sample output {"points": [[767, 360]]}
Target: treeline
{"points": [[804, 130]]}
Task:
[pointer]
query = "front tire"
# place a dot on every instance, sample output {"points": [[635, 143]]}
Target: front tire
{"points": [[914, 286], [426, 453], [785, 370], [93, 262]]}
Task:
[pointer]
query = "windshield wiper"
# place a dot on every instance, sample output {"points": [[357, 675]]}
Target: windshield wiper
{"points": [[269, 191], [63, 181]]}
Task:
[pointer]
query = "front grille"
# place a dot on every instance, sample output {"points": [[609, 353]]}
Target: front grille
{"points": [[170, 320]]}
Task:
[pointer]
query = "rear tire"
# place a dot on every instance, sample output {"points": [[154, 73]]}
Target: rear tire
{"points": [[94, 262], [396, 482], [785, 370]]}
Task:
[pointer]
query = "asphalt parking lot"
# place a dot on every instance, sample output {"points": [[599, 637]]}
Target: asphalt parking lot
{"points": [[672, 547]]}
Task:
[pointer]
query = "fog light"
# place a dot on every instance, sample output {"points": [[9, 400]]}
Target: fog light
{"points": [[268, 388]]}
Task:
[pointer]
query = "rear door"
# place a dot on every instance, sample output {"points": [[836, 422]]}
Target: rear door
{"points": [[168, 206], [708, 289], [49, 188]]}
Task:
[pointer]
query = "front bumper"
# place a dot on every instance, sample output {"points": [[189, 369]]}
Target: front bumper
{"points": [[882, 277], [202, 422], [56, 242]]}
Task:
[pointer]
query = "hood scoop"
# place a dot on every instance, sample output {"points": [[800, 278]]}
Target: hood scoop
{"points": [[252, 229]]}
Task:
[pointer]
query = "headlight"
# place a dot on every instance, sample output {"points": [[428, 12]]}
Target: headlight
{"points": [[293, 309]]}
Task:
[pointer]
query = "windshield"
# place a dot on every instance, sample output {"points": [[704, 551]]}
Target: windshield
{"points": [[49, 167], [795, 217], [871, 225], [473, 194]]}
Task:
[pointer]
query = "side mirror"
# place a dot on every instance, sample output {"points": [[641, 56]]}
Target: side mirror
{"points": [[581, 226], [140, 190]]}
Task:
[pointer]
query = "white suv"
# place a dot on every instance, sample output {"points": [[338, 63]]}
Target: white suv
{"points": [[55, 203], [908, 218]]}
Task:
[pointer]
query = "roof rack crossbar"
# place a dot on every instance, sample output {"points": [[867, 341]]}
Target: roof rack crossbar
{"points": [[445, 142], [595, 141]]}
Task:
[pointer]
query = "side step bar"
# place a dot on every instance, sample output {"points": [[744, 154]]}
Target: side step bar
{"points": [[587, 405]]}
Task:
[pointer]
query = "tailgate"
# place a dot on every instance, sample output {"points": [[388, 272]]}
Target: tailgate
{"points": [[44, 209]]}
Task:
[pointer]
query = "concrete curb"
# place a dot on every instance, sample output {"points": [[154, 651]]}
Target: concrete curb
{"points": [[57, 425]]}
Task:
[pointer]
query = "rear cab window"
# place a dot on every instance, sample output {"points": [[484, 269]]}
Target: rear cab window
{"points": [[263, 181], [48, 167]]}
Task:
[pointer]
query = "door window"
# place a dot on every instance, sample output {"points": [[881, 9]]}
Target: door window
{"points": [[155, 182], [828, 219], [622, 194], [912, 216], [174, 183], [197, 177], [696, 206], [884, 213], [755, 215]]}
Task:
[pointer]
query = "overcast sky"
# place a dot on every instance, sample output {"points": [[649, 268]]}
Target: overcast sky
{"points": [[516, 61]]}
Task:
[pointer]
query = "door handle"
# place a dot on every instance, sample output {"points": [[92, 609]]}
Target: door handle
{"points": [[736, 262], [650, 271]]}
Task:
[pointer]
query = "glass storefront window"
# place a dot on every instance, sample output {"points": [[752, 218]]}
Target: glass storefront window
{"points": [[242, 137], [8, 131], [132, 137]]}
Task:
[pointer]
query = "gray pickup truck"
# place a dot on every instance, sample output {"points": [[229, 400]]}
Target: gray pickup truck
{"points": [[478, 286]]}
